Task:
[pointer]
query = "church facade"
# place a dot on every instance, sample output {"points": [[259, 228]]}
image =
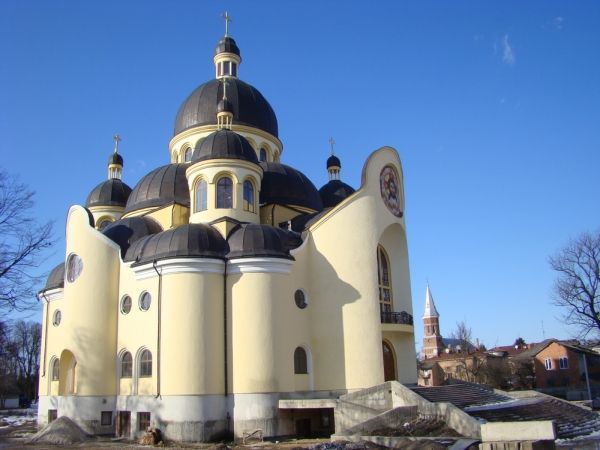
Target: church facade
{"points": [[225, 282]]}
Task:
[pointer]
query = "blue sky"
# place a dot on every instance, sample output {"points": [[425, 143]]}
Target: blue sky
{"points": [[492, 106]]}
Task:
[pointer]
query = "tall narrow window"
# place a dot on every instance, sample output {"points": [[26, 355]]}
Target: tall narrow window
{"points": [[300, 361], [201, 195], [263, 155], [146, 364], [126, 365], [248, 196], [385, 284], [55, 369], [188, 154], [224, 193]]}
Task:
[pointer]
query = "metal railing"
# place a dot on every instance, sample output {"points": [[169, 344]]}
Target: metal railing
{"points": [[402, 317]]}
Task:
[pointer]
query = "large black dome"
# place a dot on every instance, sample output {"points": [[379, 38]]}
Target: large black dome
{"points": [[191, 240], [284, 185], [111, 192], [125, 232], [250, 239], [224, 144], [249, 107], [334, 192], [161, 187]]}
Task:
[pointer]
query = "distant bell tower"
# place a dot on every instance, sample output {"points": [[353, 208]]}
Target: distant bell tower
{"points": [[432, 340]]}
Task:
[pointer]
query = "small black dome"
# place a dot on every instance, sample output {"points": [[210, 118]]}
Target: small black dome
{"points": [[284, 185], [225, 106], [115, 158], [224, 144], [191, 240], [161, 187], [125, 232], [249, 240], [56, 278], [334, 192], [111, 192], [333, 161], [227, 45], [249, 107]]}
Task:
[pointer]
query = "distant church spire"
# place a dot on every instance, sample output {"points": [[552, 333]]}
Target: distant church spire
{"points": [[432, 339], [430, 310], [334, 165], [115, 161]]}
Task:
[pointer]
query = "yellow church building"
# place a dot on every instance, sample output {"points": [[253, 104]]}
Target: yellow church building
{"points": [[225, 287]]}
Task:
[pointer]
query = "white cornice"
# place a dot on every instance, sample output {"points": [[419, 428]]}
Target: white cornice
{"points": [[259, 265], [52, 294], [179, 265]]}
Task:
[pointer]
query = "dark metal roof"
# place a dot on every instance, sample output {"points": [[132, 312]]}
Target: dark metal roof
{"points": [[125, 232], [115, 158], [111, 192], [56, 278], [192, 240], [225, 106], [163, 186], [224, 144], [333, 161], [284, 185], [227, 45], [304, 221], [250, 240], [334, 192], [249, 107]]}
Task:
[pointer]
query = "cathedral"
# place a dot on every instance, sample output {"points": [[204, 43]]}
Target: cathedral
{"points": [[224, 293]]}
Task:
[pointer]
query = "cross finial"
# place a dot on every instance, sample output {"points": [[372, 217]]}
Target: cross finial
{"points": [[225, 83], [227, 20], [117, 139], [332, 143]]}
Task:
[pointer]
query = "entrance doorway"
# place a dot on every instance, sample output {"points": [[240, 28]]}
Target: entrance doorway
{"points": [[389, 362], [123, 423]]}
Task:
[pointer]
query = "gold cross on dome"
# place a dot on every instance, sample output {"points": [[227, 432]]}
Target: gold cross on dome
{"points": [[332, 143], [117, 139], [227, 20]]}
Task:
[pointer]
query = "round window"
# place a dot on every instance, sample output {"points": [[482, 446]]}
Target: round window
{"points": [[74, 267], [300, 299], [145, 301], [56, 318], [126, 304]]}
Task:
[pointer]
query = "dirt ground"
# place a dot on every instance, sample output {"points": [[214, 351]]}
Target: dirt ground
{"points": [[16, 436]]}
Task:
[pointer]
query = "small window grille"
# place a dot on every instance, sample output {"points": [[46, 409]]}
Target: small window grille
{"points": [[143, 419], [106, 418]]}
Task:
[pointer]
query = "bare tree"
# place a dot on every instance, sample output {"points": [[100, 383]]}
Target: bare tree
{"points": [[22, 242], [27, 339], [462, 333], [577, 286]]}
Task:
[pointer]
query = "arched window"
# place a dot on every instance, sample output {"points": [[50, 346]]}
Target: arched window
{"points": [[224, 193], [201, 196], [300, 361], [263, 155], [127, 365], [55, 371], [248, 196], [187, 156], [385, 283], [146, 363]]}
